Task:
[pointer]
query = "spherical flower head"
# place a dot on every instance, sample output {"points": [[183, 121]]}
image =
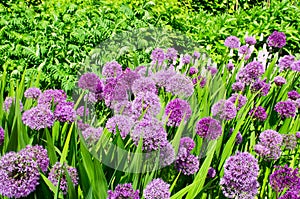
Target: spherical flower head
{"points": [[112, 69], [186, 163], [32, 93], [114, 91], [80, 111], [250, 72], [64, 112], [52, 96], [293, 95], [261, 87], [270, 138], [209, 128], [285, 62], [89, 81], [128, 77], [157, 56], [146, 105], [81, 125], [193, 71], [123, 191], [230, 66], [277, 39], [199, 80], [232, 42], [152, 132], [196, 55], [279, 81], [295, 66], [122, 108], [212, 70], [211, 172], [8, 102], [239, 99], [162, 77], [250, 40], [167, 155], [244, 50], [144, 84], [238, 86], [19, 174], [1, 135], [176, 111], [285, 178], [39, 117], [171, 54], [290, 195], [269, 145], [58, 171], [186, 59], [224, 110], [157, 188], [187, 143], [289, 141], [240, 176], [122, 123], [180, 85], [92, 135], [90, 98], [286, 109], [298, 135], [38, 154], [258, 113]]}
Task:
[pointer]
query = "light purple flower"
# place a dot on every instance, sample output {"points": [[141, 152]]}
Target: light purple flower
{"points": [[201, 80], [180, 85], [50, 96], [258, 113], [230, 66], [238, 86], [285, 62], [187, 143], [157, 188], [92, 135], [144, 84], [171, 54], [162, 77], [176, 111], [1, 135], [89, 81], [293, 95], [295, 66], [122, 108], [289, 141], [298, 135], [186, 59], [158, 56], [80, 111], [261, 87], [39, 117], [251, 72], [128, 77], [32, 93], [277, 39], [279, 81], [232, 42], [114, 91], [38, 154], [250, 40], [112, 69], [64, 112], [224, 110], [8, 102], [185, 162], [238, 99], [122, 123], [286, 109], [196, 55], [209, 128], [123, 191], [167, 155]]}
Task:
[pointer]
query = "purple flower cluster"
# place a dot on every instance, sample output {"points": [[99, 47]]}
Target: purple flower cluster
{"points": [[279, 81], [92, 135], [258, 113], [180, 85], [123, 108], [144, 84], [293, 95], [261, 87], [1, 135], [289, 141], [121, 122], [187, 143], [58, 172], [52, 96], [230, 66], [269, 145], [277, 39], [163, 77], [232, 42], [32, 93], [239, 99], [295, 66], [193, 71], [38, 154], [128, 77], [80, 111], [250, 40], [123, 191], [157, 56], [224, 110], [112, 69], [64, 112], [286, 109], [176, 111], [238, 138], [238, 86], [211, 172], [89, 81], [209, 128], [240, 176], [200, 79], [8, 102], [251, 72], [171, 55], [285, 62], [114, 91], [298, 135], [38, 117], [167, 155], [157, 188], [290, 195]]}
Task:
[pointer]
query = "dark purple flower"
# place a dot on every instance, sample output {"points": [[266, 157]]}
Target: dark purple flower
{"points": [[58, 172], [286, 109], [89, 81], [193, 71], [1, 135], [250, 40], [80, 111], [239, 138], [209, 128], [277, 39], [240, 176], [39, 154], [295, 66], [92, 135], [157, 188], [64, 112], [39, 117], [240, 100], [298, 135], [258, 113], [279, 81], [187, 143], [251, 72], [52, 96], [285, 62], [176, 111], [144, 84], [232, 42], [200, 79], [33, 93], [290, 195], [146, 105], [121, 122], [186, 59], [123, 191], [185, 162], [289, 141], [180, 85], [230, 66], [112, 69], [261, 87], [224, 110], [211, 172], [293, 95], [238, 86]]}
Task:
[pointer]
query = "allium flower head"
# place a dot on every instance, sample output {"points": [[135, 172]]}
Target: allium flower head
{"points": [[52, 96], [176, 111], [208, 128], [187, 143], [112, 69], [185, 162], [167, 155], [89, 81], [39, 117], [290, 195], [285, 62], [230, 66], [80, 111], [32, 93], [171, 54], [38, 154], [279, 81], [239, 99], [270, 138], [289, 141], [8, 102], [19, 174], [238, 86], [81, 125], [193, 71], [298, 135], [250, 40], [201, 80], [258, 113], [144, 84], [196, 55], [64, 112], [232, 42], [123, 191], [92, 135], [251, 72], [90, 98], [144, 71], [114, 91], [122, 108], [239, 138], [277, 39], [211, 172], [286, 109], [157, 188], [1, 135], [186, 59], [122, 123], [58, 171], [261, 87], [244, 50], [224, 110], [162, 77], [240, 176], [128, 77], [180, 85], [158, 56], [293, 95], [295, 66]]}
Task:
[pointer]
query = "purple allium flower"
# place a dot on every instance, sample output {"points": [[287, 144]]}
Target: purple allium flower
{"points": [[180, 85], [295, 66], [209, 128], [230, 66], [290, 195], [99, 91], [187, 143], [19, 174], [261, 86], [211, 172], [293, 95], [240, 176], [286, 109], [64, 112], [114, 91], [82, 126], [277, 39], [279, 81], [128, 77], [162, 77], [158, 56], [58, 171], [258, 113], [122, 122], [167, 155], [152, 132], [224, 110], [250, 40], [270, 138], [33, 93], [285, 62], [239, 138], [186, 59], [1, 135], [39, 117], [289, 141], [250, 72], [200, 79], [112, 69], [239, 99], [8, 102], [185, 162], [39, 154], [92, 135], [196, 55], [157, 188], [298, 135], [146, 105], [285, 178], [52, 96], [238, 86], [212, 70], [122, 108], [232, 42], [123, 191], [90, 98], [89, 81], [144, 71], [176, 110], [144, 84], [171, 54], [244, 50], [80, 111], [193, 71]]}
